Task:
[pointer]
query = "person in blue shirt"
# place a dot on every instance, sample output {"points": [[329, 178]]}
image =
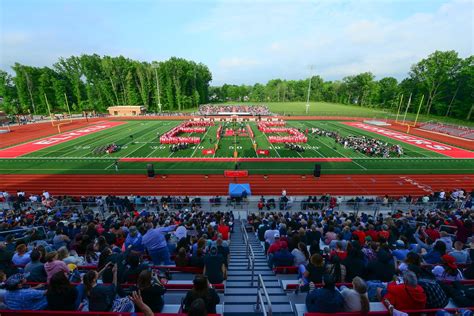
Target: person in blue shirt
{"points": [[401, 252], [281, 258], [134, 240], [17, 298], [155, 243], [434, 255], [326, 299]]}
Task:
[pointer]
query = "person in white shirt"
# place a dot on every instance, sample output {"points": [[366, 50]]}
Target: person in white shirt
{"points": [[356, 299], [448, 241], [46, 194], [461, 255]]}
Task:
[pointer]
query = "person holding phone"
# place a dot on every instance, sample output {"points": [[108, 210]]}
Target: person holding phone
{"points": [[151, 290]]}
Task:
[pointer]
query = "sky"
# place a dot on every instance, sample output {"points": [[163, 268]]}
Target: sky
{"points": [[242, 42]]}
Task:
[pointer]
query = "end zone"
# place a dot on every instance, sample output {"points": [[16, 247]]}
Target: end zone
{"points": [[446, 150], [23, 149]]}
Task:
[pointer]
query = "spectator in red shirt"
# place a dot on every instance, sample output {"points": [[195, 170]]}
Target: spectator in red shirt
{"points": [[372, 233], [406, 296], [277, 245], [432, 233], [339, 251], [384, 233], [360, 235], [224, 230]]}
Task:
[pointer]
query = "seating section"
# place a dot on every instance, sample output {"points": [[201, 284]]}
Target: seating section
{"points": [[269, 262], [458, 131]]}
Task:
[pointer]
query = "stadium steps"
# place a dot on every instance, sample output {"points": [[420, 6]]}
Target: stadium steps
{"points": [[343, 185], [240, 295]]}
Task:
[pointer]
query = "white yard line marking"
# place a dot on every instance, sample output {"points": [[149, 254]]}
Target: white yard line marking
{"points": [[202, 140]]}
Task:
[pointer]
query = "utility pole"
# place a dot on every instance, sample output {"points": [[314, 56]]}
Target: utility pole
{"points": [[156, 66], [309, 87]]}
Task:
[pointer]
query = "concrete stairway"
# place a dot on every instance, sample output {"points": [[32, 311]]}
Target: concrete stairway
{"points": [[240, 296]]}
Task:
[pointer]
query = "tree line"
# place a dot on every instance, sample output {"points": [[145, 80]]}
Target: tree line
{"points": [[93, 83], [443, 79]]}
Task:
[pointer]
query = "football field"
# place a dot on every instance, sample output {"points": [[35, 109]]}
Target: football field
{"points": [[138, 143]]}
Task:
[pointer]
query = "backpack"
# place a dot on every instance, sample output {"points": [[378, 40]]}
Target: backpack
{"points": [[435, 296]]}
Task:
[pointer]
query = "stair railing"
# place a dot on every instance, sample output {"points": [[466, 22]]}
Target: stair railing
{"points": [[249, 253], [262, 291]]}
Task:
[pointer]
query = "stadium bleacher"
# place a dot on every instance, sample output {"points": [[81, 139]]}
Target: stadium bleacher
{"points": [[257, 278], [454, 130]]}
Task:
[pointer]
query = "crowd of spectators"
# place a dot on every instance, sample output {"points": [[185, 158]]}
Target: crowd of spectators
{"points": [[211, 109], [369, 146], [406, 260], [42, 253]]}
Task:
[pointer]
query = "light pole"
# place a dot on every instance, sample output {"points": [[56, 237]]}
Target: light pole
{"points": [[309, 88], [156, 66]]}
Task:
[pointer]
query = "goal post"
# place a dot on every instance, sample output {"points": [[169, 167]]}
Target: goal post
{"points": [[56, 121]]}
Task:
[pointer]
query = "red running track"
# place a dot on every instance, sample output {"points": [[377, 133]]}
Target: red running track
{"points": [[393, 185], [24, 133], [220, 159]]}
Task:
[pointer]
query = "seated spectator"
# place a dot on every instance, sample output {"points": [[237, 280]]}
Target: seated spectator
{"points": [[281, 258], [277, 244], [182, 258], [35, 257], [356, 299], [435, 295], [339, 251], [101, 297], [336, 269], [35, 269], [91, 256], [61, 294], [134, 240], [434, 255], [19, 298], [198, 308], [21, 256], [381, 269], [401, 252], [448, 270], [69, 257], [60, 239], [330, 235], [300, 254], [201, 290], [151, 290], [214, 267], [132, 269], [405, 296], [354, 262], [313, 272], [198, 259], [461, 255], [54, 265], [326, 299]]}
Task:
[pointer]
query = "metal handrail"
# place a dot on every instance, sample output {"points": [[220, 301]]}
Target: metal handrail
{"points": [[260, 305], [249, 253], [251, 264]]}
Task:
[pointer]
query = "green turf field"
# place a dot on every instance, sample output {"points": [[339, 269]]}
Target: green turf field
{"points": [[77, 156]]}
